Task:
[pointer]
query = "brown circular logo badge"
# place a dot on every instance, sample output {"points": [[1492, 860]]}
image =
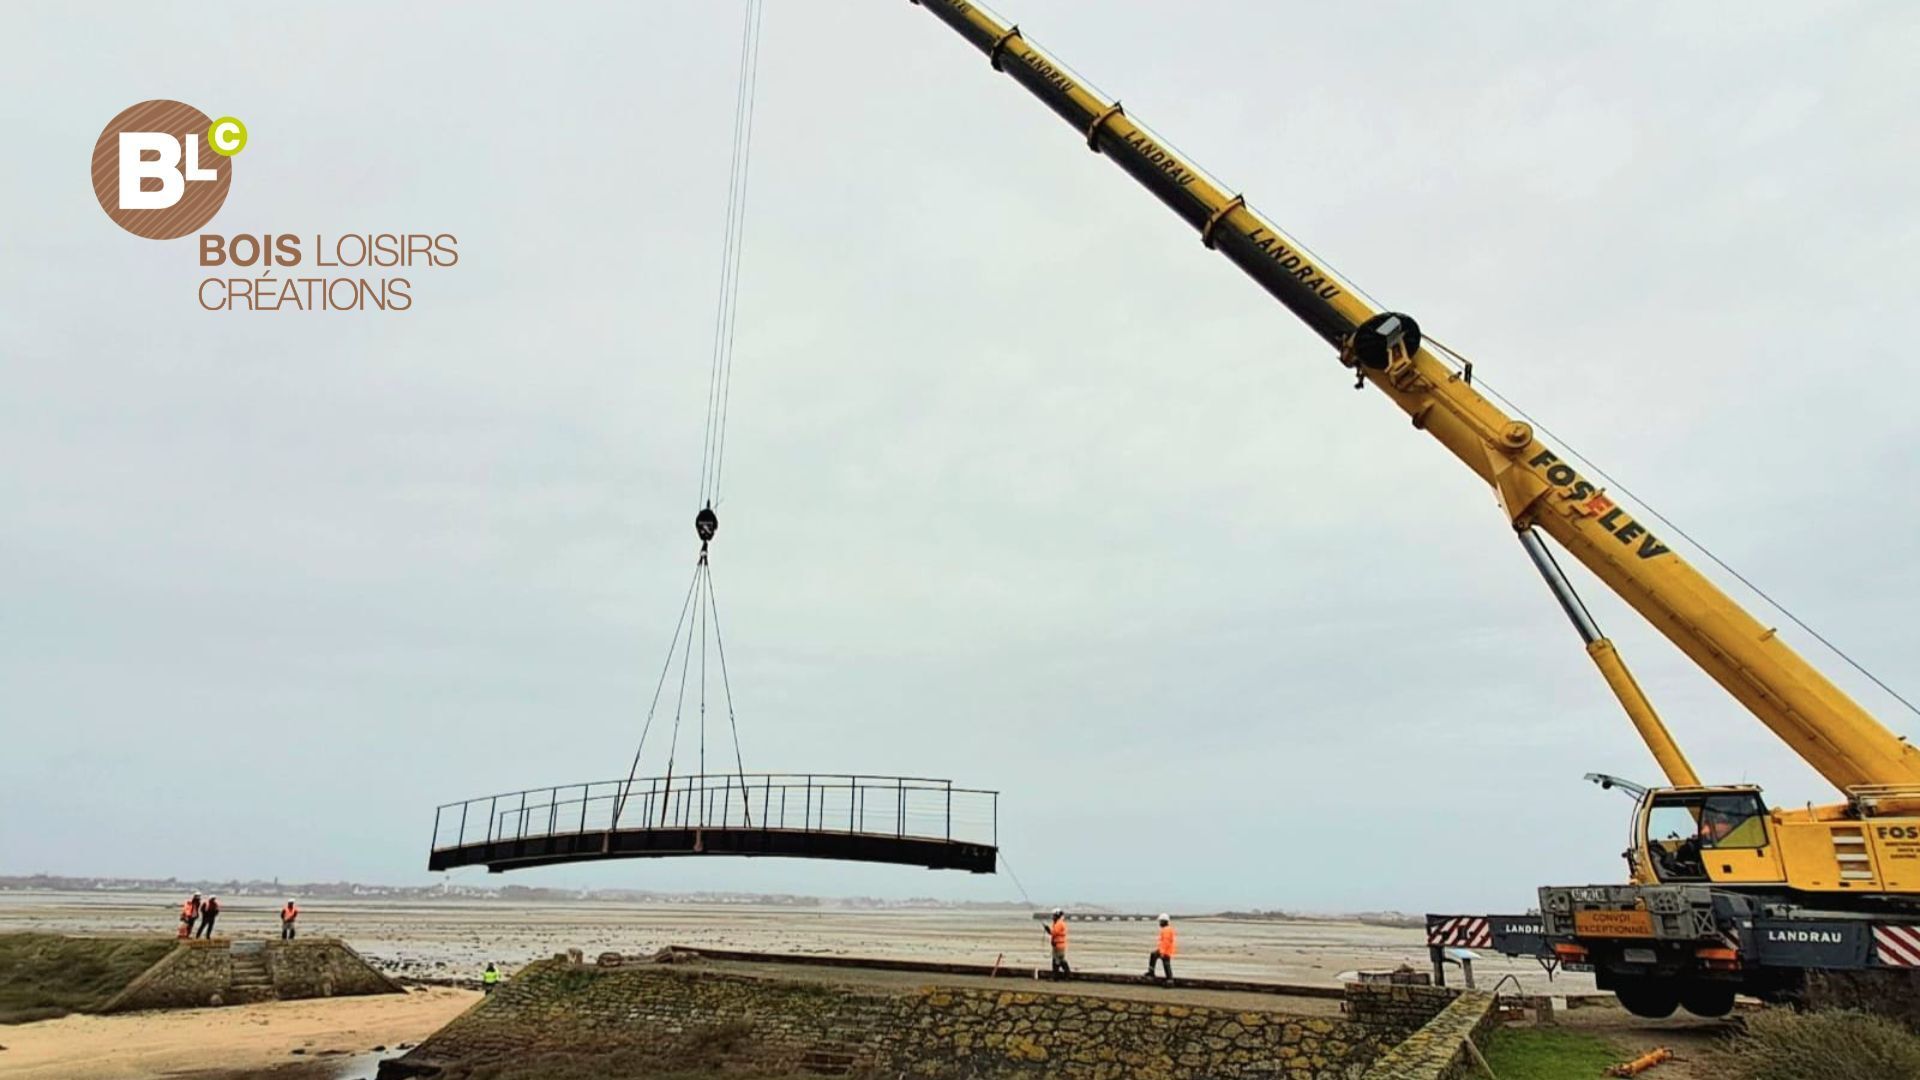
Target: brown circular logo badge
{"points": [[155, 172]]}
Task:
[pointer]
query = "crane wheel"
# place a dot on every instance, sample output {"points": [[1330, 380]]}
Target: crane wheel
{"points": [[1654, 999], [1709, 999]]}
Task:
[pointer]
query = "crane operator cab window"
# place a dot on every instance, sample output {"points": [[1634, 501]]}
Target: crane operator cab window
{"points": [[1683, 826]]}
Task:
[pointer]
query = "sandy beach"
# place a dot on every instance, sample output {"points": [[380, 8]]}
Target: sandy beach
{"points": [[456, 938], [341, 1037]]}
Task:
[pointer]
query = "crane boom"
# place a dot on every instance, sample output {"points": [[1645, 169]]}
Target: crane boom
{"points": [[1535, 486]]}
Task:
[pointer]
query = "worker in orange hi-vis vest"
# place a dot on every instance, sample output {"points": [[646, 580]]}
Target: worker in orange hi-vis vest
{"points": [[287, 916], [1057, 937], [189, 911], [1163, 952]]}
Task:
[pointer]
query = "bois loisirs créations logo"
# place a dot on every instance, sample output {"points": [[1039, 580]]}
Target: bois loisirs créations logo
{"points": [[162, 170]]}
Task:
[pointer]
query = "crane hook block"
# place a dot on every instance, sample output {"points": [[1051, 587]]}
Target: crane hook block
{"points": [[706, 523], [1379, 341]]}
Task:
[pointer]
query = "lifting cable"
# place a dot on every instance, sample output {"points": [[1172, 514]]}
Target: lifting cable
{"points": [[727, 309], [1002, 855], [699, 612]]}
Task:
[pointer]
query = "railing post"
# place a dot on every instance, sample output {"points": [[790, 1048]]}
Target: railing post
{"points": [[586, 790], [493, 813], [949, 811], [809, 811], [521, 833], [462, 841], [900, 809], [553, 809], [853, 796]]}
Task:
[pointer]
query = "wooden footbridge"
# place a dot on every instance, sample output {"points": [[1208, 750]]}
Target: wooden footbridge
{"points": [[910, 821]]}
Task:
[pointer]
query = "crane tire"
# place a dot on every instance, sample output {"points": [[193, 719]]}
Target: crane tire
{"points": [[1709, 999], [1654, 999]]}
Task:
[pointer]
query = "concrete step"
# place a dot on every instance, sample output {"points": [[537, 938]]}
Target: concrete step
{"points": [[250, 976]]}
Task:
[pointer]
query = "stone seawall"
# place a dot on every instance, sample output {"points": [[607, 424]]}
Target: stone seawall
{"points": [[1438, 1049], [323, 967], [1396, 1009], [776, 1024], [194, 974], [201, 973]]}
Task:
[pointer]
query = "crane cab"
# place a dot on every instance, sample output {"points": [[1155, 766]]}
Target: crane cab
{"points": [[1706, 834], [1728, 836]]}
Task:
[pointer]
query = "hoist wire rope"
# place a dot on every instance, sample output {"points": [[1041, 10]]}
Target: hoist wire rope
{"points": [[726, 686], [1597, 470], [696, 610], [726, 261], [680, 702], [701, 611], [1001, 854], [726, 306], [739, 248], [634, 769]]}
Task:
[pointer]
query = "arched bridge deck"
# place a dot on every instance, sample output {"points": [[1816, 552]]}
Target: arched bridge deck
{"points": [[912, 821]]}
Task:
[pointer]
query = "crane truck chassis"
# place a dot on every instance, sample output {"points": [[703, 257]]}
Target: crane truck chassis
{"points": [[1662, 947], [1734, 897]]}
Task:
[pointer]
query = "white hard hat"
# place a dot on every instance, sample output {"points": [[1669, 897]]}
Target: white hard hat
{"points": [[1164, 917], [1059, 911]]}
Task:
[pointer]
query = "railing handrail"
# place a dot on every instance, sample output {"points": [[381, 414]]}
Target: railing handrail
{"points": [[918, 806], [806, 780]]}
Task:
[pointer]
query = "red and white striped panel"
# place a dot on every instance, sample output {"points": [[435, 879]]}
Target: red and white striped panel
{"points": [[1897, 946], [1461, 931]]}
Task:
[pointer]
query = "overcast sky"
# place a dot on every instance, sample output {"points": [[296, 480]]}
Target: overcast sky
{"points": [[1024, 487]]}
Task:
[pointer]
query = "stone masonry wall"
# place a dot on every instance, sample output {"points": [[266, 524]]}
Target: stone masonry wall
{"points": [[200, 973], [780, 1024], [1396, 1009], [323, 968], [193, 975], [1438, 1050]]}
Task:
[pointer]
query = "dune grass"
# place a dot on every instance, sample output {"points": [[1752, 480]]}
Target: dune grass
{"points": [[47, 975], [1779, 1044]]}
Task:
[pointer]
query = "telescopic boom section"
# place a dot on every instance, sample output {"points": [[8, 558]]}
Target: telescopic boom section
{"points": [[1820, 722]]}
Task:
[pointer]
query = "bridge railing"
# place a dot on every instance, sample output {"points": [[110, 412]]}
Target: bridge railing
{"points": [[898, 806]]}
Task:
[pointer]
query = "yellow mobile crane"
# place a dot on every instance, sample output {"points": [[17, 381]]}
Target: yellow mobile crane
{"points": [[1713, 869]]}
